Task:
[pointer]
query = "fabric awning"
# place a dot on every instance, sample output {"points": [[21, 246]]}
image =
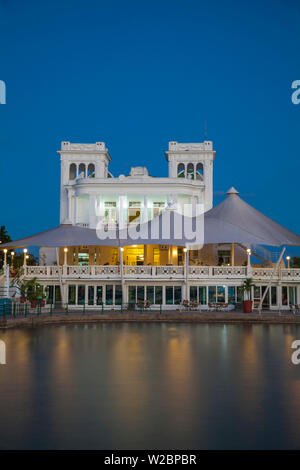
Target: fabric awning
{"points": [[235, 211], [63, 235]]}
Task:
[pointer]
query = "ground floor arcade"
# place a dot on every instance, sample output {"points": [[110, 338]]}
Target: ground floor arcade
{"points": [[96, 295]]}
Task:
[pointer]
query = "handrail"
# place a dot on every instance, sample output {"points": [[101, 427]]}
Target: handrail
{"points": [[163, 272]]}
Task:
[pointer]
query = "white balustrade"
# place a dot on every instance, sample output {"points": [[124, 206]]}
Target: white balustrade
{"points": [[262, 273], [132, 271], [169, 271], [292, 274], [200, 271], [160, 272], [229, 271]]}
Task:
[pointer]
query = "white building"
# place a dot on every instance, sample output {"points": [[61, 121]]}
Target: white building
{"points": [[88, 189], [163, 274]]}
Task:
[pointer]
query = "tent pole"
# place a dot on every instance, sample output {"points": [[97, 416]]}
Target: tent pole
{"points": [[270, 280], [60, 278]]}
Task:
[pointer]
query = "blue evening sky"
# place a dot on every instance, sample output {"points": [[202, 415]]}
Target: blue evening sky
{"points": [[137, 74]]}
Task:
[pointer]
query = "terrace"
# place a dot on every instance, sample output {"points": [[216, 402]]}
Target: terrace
{"points": [[114, 272]]}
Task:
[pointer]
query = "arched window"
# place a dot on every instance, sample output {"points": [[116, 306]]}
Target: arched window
{"points": [[81, 170], [73, 171], [91, 170], [199, 171], [180, 170], [190, 171]]}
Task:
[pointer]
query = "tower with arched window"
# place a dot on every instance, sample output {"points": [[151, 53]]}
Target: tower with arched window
{"points": [[193, 162], [80, 163]]}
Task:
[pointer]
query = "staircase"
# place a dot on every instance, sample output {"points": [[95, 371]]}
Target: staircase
{"points": [[9, 286]]}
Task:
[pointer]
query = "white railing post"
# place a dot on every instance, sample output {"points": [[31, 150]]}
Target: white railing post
{"points": [[249, 267], [185, 293], [25, 258], [5, 259], [122, 273], [6, 282]]}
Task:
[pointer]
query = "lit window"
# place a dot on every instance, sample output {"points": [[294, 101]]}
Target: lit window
{"points": [[134, 212], [158, 207], [110, 211]]}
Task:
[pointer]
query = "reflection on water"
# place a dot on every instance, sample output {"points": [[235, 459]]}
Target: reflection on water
{"points": [[124, 386]]}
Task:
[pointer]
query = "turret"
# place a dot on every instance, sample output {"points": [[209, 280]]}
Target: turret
{"points": [[193, 161], [80, 161]]}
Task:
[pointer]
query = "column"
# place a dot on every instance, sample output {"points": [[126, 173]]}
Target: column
{"points": [[122, 212], [69, 206], [92, 211], [6, 282], [279, 296], [98, 256], [232, 254], [121, 250], [91, 256], [5, 259], [249, 268], [75, 210]]}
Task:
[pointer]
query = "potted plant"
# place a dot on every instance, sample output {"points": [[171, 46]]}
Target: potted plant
{"points": [[33, 292], [246, 288]]}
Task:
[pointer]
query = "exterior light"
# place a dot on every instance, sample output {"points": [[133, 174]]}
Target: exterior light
{"points": [[248, 251], [27, 256], [288, 258], [12, 254], [5, 250], [65, 255], [185, 250], [122, 249]]}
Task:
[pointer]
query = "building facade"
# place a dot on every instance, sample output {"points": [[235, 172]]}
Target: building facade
{"points": [[162, 274]]}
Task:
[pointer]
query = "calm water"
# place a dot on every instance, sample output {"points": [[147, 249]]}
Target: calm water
{"points": [[127, 386]]}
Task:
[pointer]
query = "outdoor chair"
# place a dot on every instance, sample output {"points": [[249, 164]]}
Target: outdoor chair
{"points": [[292, 309], [186, 304], [194, 305], [140, 305], [224, 308]]}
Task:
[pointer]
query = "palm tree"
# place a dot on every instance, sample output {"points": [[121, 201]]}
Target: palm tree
{"points": [[246, 287]]}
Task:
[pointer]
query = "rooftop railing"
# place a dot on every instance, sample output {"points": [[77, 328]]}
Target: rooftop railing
{"points": [[158, 272]]}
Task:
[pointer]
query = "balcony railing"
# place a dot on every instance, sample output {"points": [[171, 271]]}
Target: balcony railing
{"points": [[159, 272]]}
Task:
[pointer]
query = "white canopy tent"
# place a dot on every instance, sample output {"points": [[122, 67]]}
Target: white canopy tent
{"points": [[231, 221], [235, 211]]}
